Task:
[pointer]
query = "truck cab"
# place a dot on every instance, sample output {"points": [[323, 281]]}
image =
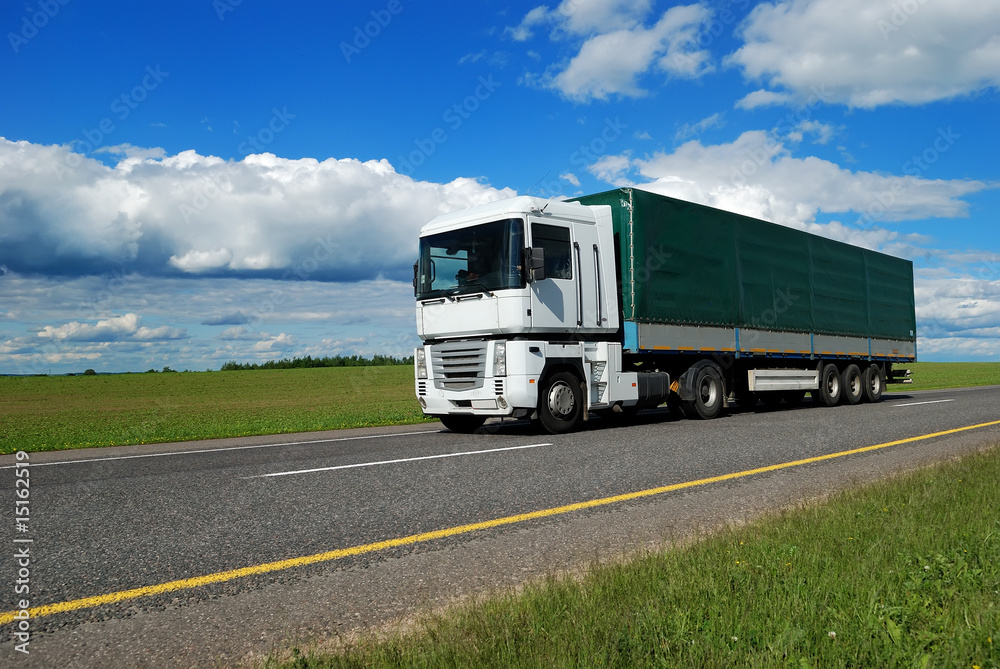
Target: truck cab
{"points": [[510, 296]]}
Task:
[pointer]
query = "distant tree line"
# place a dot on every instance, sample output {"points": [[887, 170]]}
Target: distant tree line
{"points": [[328, 361]]}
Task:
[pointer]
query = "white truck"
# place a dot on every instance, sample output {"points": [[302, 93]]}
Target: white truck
{"points": [[557, 310]]}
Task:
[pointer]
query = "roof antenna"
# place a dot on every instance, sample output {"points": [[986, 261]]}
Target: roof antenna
{"points": [[553, 197], [528, 192]]}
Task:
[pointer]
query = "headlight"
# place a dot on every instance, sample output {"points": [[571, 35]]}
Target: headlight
{"points": [[421, 361], [500, 359]]}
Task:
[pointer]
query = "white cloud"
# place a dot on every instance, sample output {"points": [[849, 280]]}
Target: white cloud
{"points": [[587, 17], [581, 18], [161, 333], [756, 175], [200, 261], [119, 328], [822, 132], [613, 170], [239, 333], [762, 98], [689, 130], [472, 57], [106, 330], [279, 342], [568, 176], [618, 47], [610, 63], [525, 30], [130, 151], [63, 213], [867, 54]]}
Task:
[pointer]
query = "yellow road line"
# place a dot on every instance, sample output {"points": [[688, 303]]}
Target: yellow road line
{"points": [[219, 577]]}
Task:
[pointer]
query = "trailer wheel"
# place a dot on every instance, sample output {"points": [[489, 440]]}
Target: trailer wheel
{"points": [[560, 405], [850, 381], [873, 383], [463, 424], [829, 389], [708, 393]]}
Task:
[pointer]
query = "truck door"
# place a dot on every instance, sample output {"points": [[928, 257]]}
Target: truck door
{"points": [[590, 292], [554, 300]]}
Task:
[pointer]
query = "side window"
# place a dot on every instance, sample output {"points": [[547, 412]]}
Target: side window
{"points": [[555, 240]]}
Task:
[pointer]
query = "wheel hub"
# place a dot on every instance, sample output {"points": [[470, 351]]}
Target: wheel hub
{"points": [[560, 400], [708, 391]]}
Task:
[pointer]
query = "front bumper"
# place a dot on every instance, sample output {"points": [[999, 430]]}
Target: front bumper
{"points": [[486, 393], [499, 396]]}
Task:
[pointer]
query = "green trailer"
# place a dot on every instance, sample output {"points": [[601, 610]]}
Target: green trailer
{"points": [[696, 278]]}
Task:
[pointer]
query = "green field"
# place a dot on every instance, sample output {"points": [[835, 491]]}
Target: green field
{"points": [[56, 412], [903, 573], [935, 375]]}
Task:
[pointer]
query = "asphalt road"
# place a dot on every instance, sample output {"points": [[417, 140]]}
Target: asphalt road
{"points": [[118, 519]]}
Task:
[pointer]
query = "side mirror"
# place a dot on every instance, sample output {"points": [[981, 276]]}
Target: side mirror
{"points": [[414, 278], [534, 264]]}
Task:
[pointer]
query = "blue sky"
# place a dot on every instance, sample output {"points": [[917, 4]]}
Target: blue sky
{"points": [[186, 183]]}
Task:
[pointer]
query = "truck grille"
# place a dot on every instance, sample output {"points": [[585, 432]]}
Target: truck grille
{"points": [[459, 365]]}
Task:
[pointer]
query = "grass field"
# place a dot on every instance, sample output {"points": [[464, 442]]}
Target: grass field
{"points": [[57, 412], [904, 573], [934, 375]]}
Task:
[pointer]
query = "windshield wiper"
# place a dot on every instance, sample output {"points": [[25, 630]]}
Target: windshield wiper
{"points": [[460, 290], [482, 287]]}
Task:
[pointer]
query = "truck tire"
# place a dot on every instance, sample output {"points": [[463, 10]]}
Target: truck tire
{"points": [[874, 383], [463, 424], [708, 393], [850, 382], [829, 389], [560, 404]]}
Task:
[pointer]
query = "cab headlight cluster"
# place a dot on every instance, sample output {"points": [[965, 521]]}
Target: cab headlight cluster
{"points": [[421, 359], [500, 359]]}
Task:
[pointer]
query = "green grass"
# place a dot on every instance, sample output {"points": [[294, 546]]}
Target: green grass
{"points": [[58, 412], [935, 375], [904, 573]]}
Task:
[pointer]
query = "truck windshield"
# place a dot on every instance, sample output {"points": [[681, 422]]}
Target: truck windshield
{"points": [[480, 258]]}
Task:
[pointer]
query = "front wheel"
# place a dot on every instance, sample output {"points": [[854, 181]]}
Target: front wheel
{"points": [[560, 406]]}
